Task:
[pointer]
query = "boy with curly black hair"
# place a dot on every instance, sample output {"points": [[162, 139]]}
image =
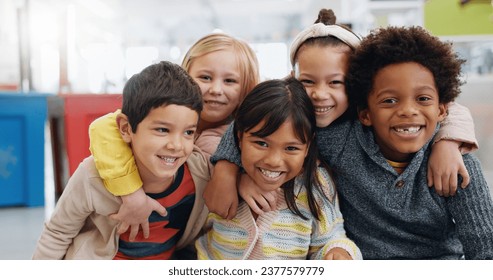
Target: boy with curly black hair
{"points": [[391, 46], [399, 82]]}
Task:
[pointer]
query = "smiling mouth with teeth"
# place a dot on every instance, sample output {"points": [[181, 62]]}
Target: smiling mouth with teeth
{"points": [[168, 159], [323, 109], [213, 102], [409, 130], [270, 174]]}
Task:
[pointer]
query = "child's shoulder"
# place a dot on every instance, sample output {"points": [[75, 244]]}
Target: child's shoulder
{"points": [[86, 179], [472, 164], [198, 165], [326, 183], [470, 158], [87, 168], [326, 186]]}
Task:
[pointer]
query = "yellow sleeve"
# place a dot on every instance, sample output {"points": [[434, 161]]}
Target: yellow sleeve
{"points": [[113, 157]]}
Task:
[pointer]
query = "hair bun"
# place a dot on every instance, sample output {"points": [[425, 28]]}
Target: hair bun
{"points": [[326, 16]]}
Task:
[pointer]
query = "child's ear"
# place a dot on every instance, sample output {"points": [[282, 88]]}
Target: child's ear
{"points": [[364, 117], [293, 74], [124, 127], [442, 111]]}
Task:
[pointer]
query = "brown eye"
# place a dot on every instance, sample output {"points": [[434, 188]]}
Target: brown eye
{"points": [[190, 132], [205, 78], [307, 82], [261, 143], [292, 148]]}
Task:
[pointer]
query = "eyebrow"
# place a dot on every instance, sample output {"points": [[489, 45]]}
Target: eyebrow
{"points": [[209, 71], [434, 88], [298, 142], [419, 88], [171, 124], [232, 74], [334, 74]]}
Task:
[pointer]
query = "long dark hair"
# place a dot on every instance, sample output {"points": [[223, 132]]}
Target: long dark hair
{"points": [[275, 101]]}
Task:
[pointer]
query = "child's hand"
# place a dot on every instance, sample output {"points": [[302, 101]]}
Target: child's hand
{"points": [[444, 166], [255, 197], [337, 254], [220, 194], [135, 211]]}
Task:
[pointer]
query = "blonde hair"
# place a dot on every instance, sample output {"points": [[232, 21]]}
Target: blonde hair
{"points": [[245, 57]]}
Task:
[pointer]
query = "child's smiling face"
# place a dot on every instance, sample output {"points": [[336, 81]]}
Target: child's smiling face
{"points": [[163, 142], [218, 75], [322, 70], [275, 159], [403, 109]]}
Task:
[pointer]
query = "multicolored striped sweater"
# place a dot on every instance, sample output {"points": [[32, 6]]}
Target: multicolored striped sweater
{"points": [[279, 234]]}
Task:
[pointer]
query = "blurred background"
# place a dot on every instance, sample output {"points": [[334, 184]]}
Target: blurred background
{"points": [[63, 63]]}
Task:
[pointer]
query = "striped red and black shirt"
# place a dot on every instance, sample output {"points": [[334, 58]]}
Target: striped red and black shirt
{"points": [[164, 232]]}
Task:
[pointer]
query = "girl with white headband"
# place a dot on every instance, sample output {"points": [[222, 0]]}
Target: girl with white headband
{"points": [[319, 59]]}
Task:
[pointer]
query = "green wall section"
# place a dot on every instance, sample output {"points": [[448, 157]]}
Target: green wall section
{"points": [[448, 17]]}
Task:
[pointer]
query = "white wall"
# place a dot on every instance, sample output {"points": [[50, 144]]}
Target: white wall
{"points": [[477, 95]]}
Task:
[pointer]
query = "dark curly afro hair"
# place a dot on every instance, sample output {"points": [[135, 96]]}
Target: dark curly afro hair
{"points": [[391, 45]]}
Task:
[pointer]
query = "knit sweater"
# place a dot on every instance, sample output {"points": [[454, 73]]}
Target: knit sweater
{"points": [[392, 216], [279, 234]]}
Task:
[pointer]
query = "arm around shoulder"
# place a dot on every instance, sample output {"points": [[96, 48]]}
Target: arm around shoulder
{"points": [[113, 157], [227, 149], [458, 126]]}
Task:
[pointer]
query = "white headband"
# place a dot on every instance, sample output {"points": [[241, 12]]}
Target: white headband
{"points": [[322, 30]]}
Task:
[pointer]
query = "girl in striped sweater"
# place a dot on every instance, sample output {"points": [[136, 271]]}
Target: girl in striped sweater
{"points": [[274, 129]]}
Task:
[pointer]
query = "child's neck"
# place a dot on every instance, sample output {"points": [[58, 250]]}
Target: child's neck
{"points": [[157, 186], [204, 125], [399, 166]]}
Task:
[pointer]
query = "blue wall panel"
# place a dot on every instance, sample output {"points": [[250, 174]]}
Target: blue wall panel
{"points": [[22, 123]]}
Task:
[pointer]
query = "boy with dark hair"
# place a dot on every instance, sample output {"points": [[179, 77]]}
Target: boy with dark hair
{"points": [[158, 120]]}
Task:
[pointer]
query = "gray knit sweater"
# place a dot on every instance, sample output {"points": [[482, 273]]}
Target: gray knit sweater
{"points": [[392, 216]]}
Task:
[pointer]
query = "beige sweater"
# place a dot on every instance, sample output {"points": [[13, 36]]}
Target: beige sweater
{"points": [[80, 227]]}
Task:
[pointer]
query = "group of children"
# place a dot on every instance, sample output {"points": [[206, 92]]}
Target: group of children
{"points": [[360, 130]]}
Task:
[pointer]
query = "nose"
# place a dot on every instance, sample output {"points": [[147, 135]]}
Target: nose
{"points": [[273, 158], [320, 92], [216, 87], [408, 108], [175, 142]]}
